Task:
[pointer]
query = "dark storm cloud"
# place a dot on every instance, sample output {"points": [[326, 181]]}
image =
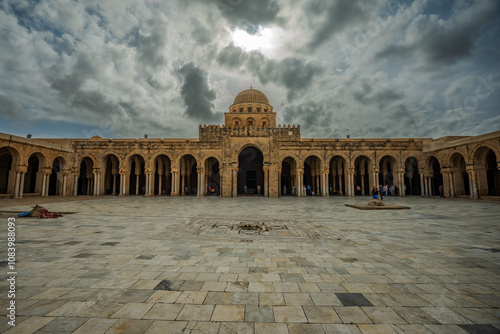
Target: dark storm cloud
{"points": [[10, 108], [332, 17], [201, 34], [197, 95], [292, 73], [152, 41], [442, 42], [249, 15], [232, 57], [310, 115]]}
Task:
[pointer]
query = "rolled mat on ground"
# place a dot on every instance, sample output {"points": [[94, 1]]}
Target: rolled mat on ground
{"points": [[40, 212]]}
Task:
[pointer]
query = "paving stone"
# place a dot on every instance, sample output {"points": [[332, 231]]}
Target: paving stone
{"points": [[305, 329], [132, 311], [236, 328], [129, 326], [196, 312], [62, 325], [353, 299], [321, 314], [30, 325], [95, 326], [425, 269], [161, 327], [228, 313], [289, 314], [352, 315], [271, 328], [219, 298]]}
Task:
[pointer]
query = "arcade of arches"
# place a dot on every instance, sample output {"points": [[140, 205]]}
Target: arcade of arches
{"points": [[250, 155]]}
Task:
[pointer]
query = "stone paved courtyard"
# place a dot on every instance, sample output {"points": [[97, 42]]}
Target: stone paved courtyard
{"points": [[186, 265]]}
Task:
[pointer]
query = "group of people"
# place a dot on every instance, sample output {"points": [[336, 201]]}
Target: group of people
{"points": [[382, 190]]}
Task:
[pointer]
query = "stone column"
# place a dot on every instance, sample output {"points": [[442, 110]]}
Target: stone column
{"points": [[21, 185], [65, 181], [44, 183], [280, 187], [183, 183], [200, 182], [401, 181], [350, 181], [429, 186], [149, 179], [300, 182], [17, 184], [324, 182], [234, 170], [115, 177], [445, 171], [334, 176], [422, 184], [341, 192], [122, 191], [473, 182], [266, 180], [160, 176], [96, 181], [75, 185], [175, 182]]}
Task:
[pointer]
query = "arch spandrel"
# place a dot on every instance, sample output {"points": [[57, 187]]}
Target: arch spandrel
{"points": [[16, 156], [472, 159], [238, 148]]}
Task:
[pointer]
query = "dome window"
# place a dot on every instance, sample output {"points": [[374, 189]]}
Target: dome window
{"points": [[241, 109], [249, 109], [258, 109]]}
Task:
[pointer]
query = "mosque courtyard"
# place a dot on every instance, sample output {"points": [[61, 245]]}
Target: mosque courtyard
{"points": [[255, 265]]}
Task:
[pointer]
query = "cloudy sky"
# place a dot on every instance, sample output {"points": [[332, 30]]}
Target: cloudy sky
{"points": [[125, 68]]}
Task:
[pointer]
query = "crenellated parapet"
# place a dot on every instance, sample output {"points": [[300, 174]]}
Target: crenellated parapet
{"points": [[211, 133]]}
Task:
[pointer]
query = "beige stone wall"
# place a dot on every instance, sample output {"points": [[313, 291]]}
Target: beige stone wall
{"points": [[369, 158]]}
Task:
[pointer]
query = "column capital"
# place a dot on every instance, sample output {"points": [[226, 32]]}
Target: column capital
{"points": [[300, 170], [200, 170], [122, 171], [21, 168], [376, 170], [326, 170], [445, 170], [148, 170], [96, 170], [351, 170]]}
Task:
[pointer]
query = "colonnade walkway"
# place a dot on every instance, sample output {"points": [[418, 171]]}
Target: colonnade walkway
{"points": [[256, 265]]}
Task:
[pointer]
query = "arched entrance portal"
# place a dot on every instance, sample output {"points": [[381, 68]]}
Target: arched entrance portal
{"points": [[250, 172], [6, 175], [362, 173], [488, 176], [337, 176], [111, 175], [163, 175], [86, 179], [137, 179], [434, 177], [388, 171], [412, 177], [212, 177], [189, 175], [31, 183], [459, 182], [312, 175], [56, 178], [288, 177], [492, 174]]}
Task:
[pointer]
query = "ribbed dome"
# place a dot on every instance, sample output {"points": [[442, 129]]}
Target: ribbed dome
{"points": [[251, 95]]}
